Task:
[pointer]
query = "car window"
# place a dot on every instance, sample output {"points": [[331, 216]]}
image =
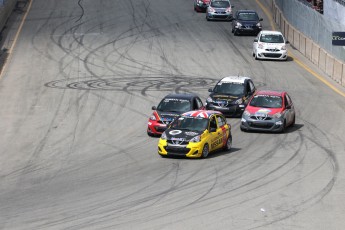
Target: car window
{"points": [[174, 105], [248, 16], [190, 123], [288, 99], [272, 38], [221, 121], [252, 87], [232, 88], [220, 4], [199, 103], [267, 101], [213, 123]]}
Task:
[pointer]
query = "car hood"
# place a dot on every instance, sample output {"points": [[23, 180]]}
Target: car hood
{"points": [[248, 23], [167, 117], [224, 97], [273, 45], [263, 111], [177, 136]]}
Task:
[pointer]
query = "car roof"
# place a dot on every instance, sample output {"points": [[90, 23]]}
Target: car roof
{"points": [[237, 79], [201, 113], [270, 92], [270, 32], [181, 95]]}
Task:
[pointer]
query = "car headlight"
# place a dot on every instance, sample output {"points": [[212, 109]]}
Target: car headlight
{"points": [[283, 47], [153, 118], [195, 139], [277, 115], [228, 10], [260, 46], [238, 24], [209, 99], [239, 101], [258, 24], [246, 113], [163, 136]]}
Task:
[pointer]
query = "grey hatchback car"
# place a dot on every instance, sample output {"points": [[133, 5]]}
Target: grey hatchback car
{"points": [[219, 10]]}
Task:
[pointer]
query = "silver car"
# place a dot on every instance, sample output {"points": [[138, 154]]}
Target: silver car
{"points": [[219, 10]]}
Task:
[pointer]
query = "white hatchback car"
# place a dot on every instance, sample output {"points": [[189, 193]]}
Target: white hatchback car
{"points": [[270, 45]]}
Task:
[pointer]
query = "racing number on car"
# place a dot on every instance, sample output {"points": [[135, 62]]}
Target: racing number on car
{"points": [[216, 143]]}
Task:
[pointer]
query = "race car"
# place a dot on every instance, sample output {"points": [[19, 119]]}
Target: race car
{"points": [[201, 5], [270, 45], [269, 111], [170, 107], [219, 10], [195, 134], [230, 95]]}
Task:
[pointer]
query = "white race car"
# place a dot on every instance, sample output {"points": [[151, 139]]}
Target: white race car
{"points": [[270, 45]]}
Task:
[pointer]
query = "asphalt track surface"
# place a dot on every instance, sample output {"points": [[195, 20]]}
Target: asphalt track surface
{"points": [[75, 99]]}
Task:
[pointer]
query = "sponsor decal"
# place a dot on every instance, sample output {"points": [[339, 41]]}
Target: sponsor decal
{"points": [[338, 38], [191, 133], [177, 141], [175, 132], [216, 143]]}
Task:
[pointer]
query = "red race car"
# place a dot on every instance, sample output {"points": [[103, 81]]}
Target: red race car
{"points": [[170, 107], [268, 111], [201, 5]]}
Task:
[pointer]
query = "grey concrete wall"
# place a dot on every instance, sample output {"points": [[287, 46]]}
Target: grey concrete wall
{"points": [[332, 66], [5, 12]]}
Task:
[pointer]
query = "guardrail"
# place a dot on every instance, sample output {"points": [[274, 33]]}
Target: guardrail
{"points": [[6, 9], [332, 66]]}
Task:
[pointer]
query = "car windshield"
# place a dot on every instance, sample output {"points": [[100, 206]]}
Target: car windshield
{"points": [[272, 38], [236, 89], [174, 105], [190, 123], [252, 16], [267, 101], [220, 4]]}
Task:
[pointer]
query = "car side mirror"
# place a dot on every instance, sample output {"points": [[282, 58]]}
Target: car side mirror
{"points": [[232, 6], [288, 107], [287, 42], [261, 19], [154, 108], [255, 40], [210, 90], [212, 129]]}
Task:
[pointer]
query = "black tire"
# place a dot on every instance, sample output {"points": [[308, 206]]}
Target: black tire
{"points": [[236, 33], [150, 134], [205, 151], [228, 144], [284, 127], [242, 129], [293, 121]]}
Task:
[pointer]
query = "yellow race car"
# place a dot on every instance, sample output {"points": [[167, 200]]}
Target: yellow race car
{"points": [[195, 134]]}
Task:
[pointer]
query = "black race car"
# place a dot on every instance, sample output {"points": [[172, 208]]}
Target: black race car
{"points": [[246, 22], [230, 95], [170, 107]]}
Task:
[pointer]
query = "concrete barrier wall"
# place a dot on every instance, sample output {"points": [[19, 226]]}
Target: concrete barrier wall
{"points": [[333, 67], [5, 12]]}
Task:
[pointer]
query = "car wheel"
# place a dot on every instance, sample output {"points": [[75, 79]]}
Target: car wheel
{"points": [[207, 18], [205, 151], [293, 121], [256, 57], [242, 129], [228, 143], [284, 127], [150, 134], [232, 30], [236, 33]]}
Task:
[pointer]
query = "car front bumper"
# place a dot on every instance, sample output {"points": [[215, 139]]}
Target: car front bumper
{"points": [[247, 30], [272, 125], [266, 54], [231, 110], [219, 16], [191, 150]]}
